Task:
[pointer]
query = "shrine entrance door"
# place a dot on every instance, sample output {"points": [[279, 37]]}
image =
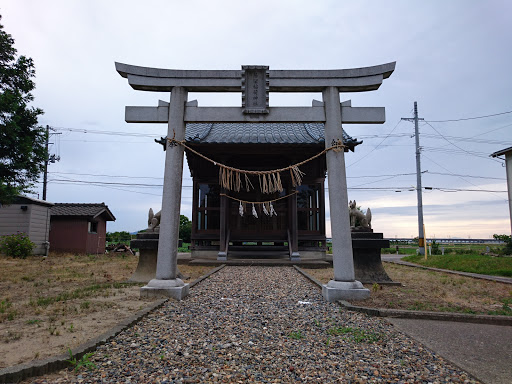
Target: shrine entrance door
{"points": [[263, 228]]}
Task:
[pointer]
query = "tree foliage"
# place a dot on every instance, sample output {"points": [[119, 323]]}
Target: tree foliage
{"points": [[22, 141], [185, 228], [507, 249], [119, 237]]}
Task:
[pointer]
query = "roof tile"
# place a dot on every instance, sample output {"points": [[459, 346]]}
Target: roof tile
{"points": [[260, 133]]}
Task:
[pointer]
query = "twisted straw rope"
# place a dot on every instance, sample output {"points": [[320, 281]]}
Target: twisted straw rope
{"points": [[337, 147]]}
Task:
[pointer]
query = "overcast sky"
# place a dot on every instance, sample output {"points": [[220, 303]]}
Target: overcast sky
{"points": [[453, 58]]}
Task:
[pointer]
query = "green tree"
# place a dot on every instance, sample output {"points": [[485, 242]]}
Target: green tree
{"points": [[22, 141], [507, 249], [185, 228], [119, 237]]}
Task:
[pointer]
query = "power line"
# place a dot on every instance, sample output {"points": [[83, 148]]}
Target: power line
{"points": [[112, 133], [120, 189], [357, 161], [468, 118], [462, 149], [464, 190], [161, 178], [99, 175], [460, 177], [443, 149], [476, 177], [433, 136], [108, 183]]}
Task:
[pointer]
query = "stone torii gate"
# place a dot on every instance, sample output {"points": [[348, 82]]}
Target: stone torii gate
{"points": [[255, 83]]}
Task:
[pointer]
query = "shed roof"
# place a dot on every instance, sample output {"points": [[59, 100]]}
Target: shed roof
{"points": [[89, 210], [30, 200], [502, 152], [260, 133]]}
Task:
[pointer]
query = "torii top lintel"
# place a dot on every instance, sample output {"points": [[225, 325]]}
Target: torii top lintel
{"points": [[346, 80]]}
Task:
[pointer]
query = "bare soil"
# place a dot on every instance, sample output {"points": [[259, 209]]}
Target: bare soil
{"points": [[50, 305], [424, 290]]}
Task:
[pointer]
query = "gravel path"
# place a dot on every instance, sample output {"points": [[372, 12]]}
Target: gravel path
{"points": [[262, 325]]}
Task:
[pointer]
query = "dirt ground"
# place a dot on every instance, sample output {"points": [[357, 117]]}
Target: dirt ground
{"points": [[424, 290], [50, 305]]}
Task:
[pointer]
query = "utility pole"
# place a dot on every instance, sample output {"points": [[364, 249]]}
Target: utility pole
{"points": [[421, 237], [48, 159]]}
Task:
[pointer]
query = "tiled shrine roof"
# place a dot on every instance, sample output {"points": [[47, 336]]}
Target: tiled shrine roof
{"points": [[260, 133]]}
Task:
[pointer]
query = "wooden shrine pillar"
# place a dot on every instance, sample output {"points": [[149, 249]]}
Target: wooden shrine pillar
{"points": [[294, 234], [224, 204]]}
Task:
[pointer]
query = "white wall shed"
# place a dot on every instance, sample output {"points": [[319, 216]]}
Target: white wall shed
{"points": [[28, 215]]}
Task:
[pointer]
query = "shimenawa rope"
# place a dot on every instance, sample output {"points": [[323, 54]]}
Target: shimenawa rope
{"points": [[230, 178]]}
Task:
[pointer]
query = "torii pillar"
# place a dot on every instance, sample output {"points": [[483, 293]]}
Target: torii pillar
{"points": [[344, 286], [166, 282]]}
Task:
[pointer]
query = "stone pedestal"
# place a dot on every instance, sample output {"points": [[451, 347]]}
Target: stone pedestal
{"points": [[174, 288], [368, 267], [147, 243], [344, 290]]}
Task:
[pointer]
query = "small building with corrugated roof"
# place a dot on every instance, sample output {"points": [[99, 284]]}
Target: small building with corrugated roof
{"points": [[79, 227]]}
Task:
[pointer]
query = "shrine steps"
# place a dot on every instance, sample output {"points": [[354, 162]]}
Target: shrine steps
{"points": [[259, 252], [262, 262]]}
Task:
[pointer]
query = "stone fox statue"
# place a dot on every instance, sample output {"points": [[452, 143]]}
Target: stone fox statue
{"points": [[357, 218], [154, 219]]}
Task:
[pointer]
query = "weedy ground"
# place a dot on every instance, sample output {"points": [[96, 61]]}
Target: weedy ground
{"points": [[424, 290], [50, 305]]}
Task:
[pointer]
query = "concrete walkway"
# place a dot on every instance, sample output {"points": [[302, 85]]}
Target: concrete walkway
{"points": [[481, 349]]}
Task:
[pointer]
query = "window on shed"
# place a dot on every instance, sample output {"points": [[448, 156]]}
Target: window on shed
{"points": [[93, 227]]}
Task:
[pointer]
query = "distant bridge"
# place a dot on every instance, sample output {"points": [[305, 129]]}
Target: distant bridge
{"points": [[403, 240]]}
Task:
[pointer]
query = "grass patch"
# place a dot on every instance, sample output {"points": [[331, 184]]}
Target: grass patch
{"points": [[402, 250], [184, 248], [424, 290], [482, 264], [84, 362], [5, 304], [296, 335], [79, 293]]}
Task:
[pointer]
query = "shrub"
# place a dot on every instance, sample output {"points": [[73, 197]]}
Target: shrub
{"points": [[16, 245], [435, 248]]}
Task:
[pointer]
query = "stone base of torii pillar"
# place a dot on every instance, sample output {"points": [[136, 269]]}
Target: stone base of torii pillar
{"points": [[174, 288], [344, 290]]}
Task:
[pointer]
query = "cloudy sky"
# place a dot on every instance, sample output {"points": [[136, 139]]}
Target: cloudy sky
{"points": [[453, 58]]}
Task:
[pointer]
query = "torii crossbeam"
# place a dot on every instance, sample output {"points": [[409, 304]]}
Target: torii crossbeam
{"points": [[255, 84]]}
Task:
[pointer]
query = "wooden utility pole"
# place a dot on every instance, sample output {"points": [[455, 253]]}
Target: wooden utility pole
{"points": [[48, 159]]}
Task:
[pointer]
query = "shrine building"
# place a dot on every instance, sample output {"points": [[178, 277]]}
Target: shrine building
{"points": [[225, 221]]}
